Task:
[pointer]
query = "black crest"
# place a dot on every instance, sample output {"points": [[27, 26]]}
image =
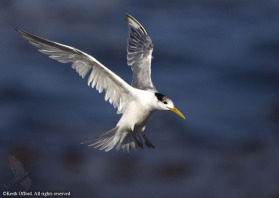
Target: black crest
{"points": [[160, 97]]}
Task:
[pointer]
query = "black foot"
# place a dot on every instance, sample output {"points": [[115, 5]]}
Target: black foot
{"points": [[139, 143], [149, 144]]}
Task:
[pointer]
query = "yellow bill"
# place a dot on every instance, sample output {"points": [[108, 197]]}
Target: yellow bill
{"points": [[175, 110]]}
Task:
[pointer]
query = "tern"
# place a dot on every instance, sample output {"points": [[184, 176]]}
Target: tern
{"points": [[136, 102]]}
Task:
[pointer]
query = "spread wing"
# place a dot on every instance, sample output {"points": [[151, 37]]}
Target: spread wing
{"points": [[118, 92], [139, 54]]}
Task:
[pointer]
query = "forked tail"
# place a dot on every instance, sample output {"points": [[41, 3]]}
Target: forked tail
{"points": [[121, 139]]}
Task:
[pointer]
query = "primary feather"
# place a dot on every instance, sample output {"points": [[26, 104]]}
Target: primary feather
{"points": [[139, 54], [118, 92]]}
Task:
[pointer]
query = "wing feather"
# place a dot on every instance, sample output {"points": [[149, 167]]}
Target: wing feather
{"points": [[118, 92], [139, 54]]}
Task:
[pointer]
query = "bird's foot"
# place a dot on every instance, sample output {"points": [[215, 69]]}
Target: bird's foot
{"points": [[149, 144], [139, 143]]}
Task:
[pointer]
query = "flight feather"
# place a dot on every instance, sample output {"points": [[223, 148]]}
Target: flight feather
{"points": [[139, 54], [117, 91]]}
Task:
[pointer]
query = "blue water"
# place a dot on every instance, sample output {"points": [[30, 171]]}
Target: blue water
{"points": [[219, 62]]}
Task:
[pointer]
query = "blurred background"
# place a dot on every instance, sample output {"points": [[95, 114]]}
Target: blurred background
{"points": [[219, 62]]}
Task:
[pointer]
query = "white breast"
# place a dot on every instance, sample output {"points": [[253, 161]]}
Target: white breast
{"points": [[139, 111]]}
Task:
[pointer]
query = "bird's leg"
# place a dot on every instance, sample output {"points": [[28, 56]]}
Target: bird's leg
{"points": [[137, 141], [147, 142]]}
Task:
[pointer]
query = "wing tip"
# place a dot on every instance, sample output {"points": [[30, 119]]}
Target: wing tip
{"points": [[127, 18], [24, 34], [132, 21], [19, 30]]}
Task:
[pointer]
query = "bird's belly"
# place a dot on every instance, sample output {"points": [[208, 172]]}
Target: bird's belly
{"points": [[142, 121], [134, 118]]}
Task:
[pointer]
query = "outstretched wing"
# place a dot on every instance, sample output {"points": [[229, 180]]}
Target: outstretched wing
{"points": [[139, 54], [118, 92]]}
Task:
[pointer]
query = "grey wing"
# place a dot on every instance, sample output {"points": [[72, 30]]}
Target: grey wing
{"points": [[139, 54], [118, 92]]}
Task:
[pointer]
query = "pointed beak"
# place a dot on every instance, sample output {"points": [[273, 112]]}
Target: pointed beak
{"points": [[175, 110]]}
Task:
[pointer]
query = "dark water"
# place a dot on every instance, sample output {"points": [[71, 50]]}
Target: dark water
{"points": [[219, 62]]}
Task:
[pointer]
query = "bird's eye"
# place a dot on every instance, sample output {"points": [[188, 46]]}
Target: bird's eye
{"points": [[165, 102]]}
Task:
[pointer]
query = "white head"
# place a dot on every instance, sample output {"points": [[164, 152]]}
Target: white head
{"points": [[165, 103]]}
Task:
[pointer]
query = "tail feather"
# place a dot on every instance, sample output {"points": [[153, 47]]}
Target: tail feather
{"points": [[106, 141], [121, 139]]}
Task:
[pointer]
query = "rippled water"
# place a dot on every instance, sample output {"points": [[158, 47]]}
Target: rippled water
{"points": [[218, 61]]}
